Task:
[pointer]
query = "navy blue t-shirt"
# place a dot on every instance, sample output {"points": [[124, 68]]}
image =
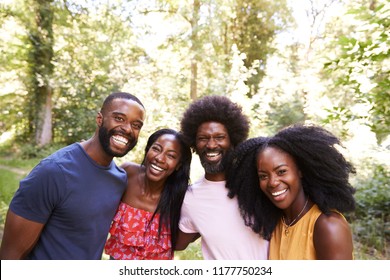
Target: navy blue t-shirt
{"points": [[75, 198]]}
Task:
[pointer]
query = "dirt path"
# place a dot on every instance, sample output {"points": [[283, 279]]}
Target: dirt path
{"points": [[14, 169]]}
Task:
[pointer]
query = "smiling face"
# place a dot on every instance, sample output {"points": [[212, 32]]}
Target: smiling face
{"points": [[119, 126], [279, 177], [213, 145], [163, 158]]}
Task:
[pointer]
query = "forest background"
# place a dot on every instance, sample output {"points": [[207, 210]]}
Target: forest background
{"points": [[284, 61]]}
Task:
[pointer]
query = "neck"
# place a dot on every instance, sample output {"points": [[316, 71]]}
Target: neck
{"points": [[151, 188], [94, 149], [217, 177], [297, 212]]}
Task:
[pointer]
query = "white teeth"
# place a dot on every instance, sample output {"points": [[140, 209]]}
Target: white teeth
{"points": [[279, 193], [156, 167], [212, 154], [119, 139]]}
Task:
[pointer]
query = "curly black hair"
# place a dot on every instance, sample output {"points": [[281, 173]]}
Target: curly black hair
{"points": [[324, 169], [219, 109]]}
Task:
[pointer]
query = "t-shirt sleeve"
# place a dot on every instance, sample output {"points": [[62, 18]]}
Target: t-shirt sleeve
{"points": [[39, 193], [186, 224]]}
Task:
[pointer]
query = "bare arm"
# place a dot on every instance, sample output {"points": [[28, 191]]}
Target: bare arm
{"points": [[20, 236], [183, 239], [333, 238]]}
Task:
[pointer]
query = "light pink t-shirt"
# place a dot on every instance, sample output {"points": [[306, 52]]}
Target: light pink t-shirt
{"points": [[208, 210]]}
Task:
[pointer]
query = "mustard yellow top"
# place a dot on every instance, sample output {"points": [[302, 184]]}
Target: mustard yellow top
{"points": [[298, 243]]}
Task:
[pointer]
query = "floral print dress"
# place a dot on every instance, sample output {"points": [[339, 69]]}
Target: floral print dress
{"points": [[134, 237]]}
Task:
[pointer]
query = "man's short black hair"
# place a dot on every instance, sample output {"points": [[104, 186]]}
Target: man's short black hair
{"points": [[120, 95]]}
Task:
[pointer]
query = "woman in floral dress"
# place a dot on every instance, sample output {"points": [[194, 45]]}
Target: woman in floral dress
{"points": [[146, 223]]}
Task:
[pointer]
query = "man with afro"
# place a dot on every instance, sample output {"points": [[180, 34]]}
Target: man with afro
{"points": [[213, 126]]}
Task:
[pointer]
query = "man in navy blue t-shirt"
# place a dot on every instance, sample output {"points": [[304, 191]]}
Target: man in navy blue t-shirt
{"points": [[63, 209]]}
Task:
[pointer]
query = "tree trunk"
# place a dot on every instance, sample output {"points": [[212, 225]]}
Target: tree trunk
{"points": [[43, 134], [194, 50], [41, 69]]}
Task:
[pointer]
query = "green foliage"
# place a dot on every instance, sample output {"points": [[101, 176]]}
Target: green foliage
{"points": [[371, 219], [249, 25], [284, 113], [361, 69], [254, 26], [373, 195], [31, 151], [94, 55]]}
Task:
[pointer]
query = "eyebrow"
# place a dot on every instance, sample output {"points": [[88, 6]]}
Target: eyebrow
{"points": [[161, 146], [123, 114], [277, 167]]}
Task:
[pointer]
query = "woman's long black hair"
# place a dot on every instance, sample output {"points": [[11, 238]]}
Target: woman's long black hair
{"points": [[176, 185], [324, 169]]}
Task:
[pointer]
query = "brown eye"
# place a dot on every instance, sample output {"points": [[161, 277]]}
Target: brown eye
{"points": [[171, 156], [262, 177], [136, 126], [282, 171], [155, 148]]}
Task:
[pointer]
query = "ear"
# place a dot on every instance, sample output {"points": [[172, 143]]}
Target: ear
{"points": [[178, 167], [99, 119]]}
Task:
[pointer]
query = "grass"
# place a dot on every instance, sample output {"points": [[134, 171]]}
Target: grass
{"points": [[11, 172], [193, 252], [370, 240], [23, 164], [9, 182]]}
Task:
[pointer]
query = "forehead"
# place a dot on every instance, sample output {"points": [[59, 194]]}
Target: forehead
{"points": [[168, 141], [127, 107], [274, 156], [212, 128]]}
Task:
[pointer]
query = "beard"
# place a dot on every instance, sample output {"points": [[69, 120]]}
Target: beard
{"points": [[214, 168], [104, 138]]}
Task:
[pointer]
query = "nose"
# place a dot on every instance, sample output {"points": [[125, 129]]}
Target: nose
{"points": [[127, 128], [211, 143], [160, 158], [273, 181]]}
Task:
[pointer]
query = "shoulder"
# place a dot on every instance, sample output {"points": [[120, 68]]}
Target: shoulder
{"points": [[47, 168], [65, 157], [71, 149], [333, 237], [331, 224], [68, 157], [131, 168]]}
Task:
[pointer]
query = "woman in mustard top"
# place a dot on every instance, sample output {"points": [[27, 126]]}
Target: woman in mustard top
{"points": [[292, 189]]}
